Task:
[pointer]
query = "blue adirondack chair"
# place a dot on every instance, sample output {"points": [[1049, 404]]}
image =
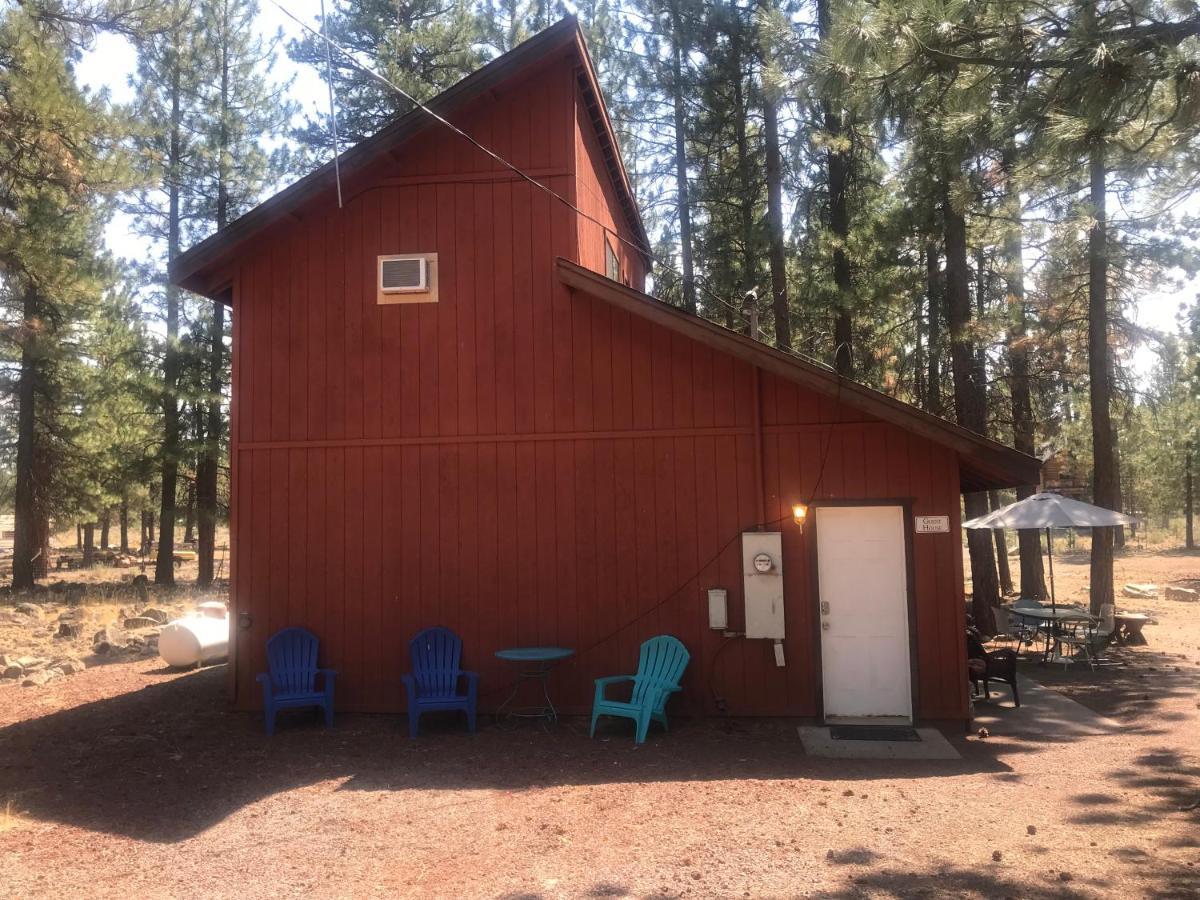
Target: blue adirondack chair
{"points": [[434, 682], [660, 666], [292, 681]]}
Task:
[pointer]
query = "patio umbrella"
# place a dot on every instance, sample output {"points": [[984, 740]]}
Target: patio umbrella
{"points": [[1049, 510]]}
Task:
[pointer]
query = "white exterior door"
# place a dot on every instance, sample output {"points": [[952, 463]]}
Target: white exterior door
{"points": [[863, 574]]}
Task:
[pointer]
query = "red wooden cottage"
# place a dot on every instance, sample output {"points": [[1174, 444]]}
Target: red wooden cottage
{"points": [[454, 405]]}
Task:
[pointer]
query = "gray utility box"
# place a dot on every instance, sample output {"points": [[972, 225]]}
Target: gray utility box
{"points": [[762, 575]]}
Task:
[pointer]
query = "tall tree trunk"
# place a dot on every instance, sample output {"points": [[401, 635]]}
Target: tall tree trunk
{"points": [[970, 411], [207, 471], [774, 173], [123, 519], [189, 514], [1118, 493], [918, 388], [1033, 580], [164, 567], [982, 283], [1104, 489], [78, 535], [740, 114], [837, 167], [1002, 569], [681, 168], [209, 465], [105, 526], [779, 289], [31, 537], [89, 545], [1188, 502], [933, 291]]}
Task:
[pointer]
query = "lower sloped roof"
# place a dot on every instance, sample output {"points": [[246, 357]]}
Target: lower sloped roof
{"points": [[984, 464]]}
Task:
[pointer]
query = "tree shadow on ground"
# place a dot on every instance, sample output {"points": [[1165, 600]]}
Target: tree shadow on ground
{"points": [[168, 761], [999, 880], [1167, 786], [1132, 690], [1003, 881]]}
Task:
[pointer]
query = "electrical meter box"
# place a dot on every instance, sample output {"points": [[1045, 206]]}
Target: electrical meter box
{"points": [[762, 573]]}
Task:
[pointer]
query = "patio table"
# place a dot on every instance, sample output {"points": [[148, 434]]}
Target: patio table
{"points": [[1050, 621], [534, 664]]}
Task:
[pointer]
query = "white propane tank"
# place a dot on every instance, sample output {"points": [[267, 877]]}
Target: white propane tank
{"points": [[194, 640]]}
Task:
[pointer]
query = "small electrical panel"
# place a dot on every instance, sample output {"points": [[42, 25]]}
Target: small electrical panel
{"points": [[718, 609], [762, 574]]}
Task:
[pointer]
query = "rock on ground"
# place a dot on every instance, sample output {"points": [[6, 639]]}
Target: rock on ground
{"points": [[109, 639], [68, 665], [1140, 591], [1187, 595]]}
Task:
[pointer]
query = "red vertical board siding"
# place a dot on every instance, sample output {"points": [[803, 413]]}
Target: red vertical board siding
{"points": [[465, 361], [372, 572], [499, 296], [523, 308], [405, 208], [483, 308], [335, 326], [542, 268], [525, 464], [561, 359], [427, 315], [372, 318], [297, 337]]}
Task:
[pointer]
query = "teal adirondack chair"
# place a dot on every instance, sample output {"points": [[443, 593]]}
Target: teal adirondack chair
{"points": [[660, 666]]}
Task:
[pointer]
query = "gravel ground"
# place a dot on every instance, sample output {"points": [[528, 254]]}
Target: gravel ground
{"points": [[130, 780]]}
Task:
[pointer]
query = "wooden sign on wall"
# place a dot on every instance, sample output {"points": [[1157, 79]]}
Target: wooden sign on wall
{"points": [[932, 524]]}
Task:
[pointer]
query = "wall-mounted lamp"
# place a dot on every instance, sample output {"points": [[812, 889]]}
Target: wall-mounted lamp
{"points": [[799, 514]]}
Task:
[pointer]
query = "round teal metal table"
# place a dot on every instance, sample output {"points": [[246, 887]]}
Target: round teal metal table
{"points": [[534, 664]]}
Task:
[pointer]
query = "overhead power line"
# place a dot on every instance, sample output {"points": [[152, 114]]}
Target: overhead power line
{"points": [[333, 123]]}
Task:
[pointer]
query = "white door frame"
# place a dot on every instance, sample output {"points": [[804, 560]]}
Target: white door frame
{"points": [[905, 506]]}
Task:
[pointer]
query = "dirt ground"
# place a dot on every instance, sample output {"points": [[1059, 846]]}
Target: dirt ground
{"points": [[132, 780]]}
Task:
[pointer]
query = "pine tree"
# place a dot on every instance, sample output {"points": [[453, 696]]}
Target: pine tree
{"points": [[422, 46], [170, 72], [1120, 97], [59, 158], [240, 106], [655, 62], [730, 188], [117, 415], [778, 53]]}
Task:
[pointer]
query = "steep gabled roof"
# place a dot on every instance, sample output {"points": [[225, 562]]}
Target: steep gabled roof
{"points": [[190, 270], [985, 464]]}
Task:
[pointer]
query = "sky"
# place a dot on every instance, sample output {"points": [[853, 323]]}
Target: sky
{"points": [[113, 59]]}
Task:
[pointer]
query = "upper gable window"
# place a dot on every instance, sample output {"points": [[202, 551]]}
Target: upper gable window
{"points": [[612, 265]]}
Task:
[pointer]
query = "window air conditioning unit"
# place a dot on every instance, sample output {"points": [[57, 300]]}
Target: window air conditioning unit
{"points": [[408, 278]]}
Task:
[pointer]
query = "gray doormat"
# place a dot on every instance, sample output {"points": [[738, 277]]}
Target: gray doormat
{"points": [[932, 745], [873, 733]]}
